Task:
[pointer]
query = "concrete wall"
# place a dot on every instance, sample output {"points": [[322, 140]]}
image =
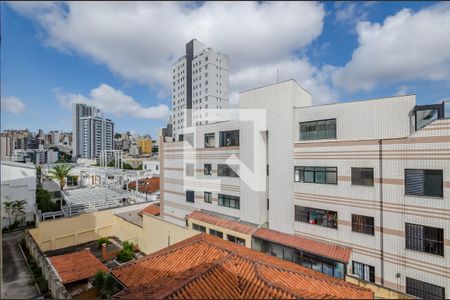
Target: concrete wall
{"points": [[159, 234]]}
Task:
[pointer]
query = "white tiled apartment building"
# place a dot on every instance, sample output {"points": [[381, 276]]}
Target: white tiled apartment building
{"points": [[199, 82], [357, 188]]}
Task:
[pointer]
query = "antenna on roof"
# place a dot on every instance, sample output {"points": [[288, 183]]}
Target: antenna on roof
{"points": [[277, 75]]}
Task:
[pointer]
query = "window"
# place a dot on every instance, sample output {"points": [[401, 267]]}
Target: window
{"points": [[236, 240], [190, 196], [198, 227], [424, 239], [316, 130], [210, 140], [207, 169], [362, 176], [226, 170], [189, 169], [180, 138], [424, 290], [229, 201], [316, 175], [229, 138], [216, 233], [316, 216], [363, 224], [208, 197], [364, 272], [423, 182]]}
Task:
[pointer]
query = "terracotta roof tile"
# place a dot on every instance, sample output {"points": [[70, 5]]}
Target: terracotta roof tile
{"points": [[152, 209], [205, 267], [329, 250], [222, 222], [151, 187], [77, 265]]}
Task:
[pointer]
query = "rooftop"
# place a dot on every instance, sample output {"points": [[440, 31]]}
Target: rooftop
{"points": [[152, 209], [228, 223], [205, 266], [329, 250], [146, 185], [76, 266], [133, 217]]}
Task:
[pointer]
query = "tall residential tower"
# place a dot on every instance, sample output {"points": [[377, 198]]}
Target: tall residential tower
{"points": [[200, 82], [91, 132]]}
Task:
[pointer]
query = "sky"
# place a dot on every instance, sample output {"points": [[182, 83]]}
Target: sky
{"points": [[118, 55]]}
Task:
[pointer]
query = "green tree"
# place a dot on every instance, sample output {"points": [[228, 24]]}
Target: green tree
{"points": [[9, 209], [44, 200], [60, 172], [106, 284], [18, 208]]}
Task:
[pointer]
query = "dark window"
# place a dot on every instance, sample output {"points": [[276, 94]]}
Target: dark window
{"points": [[316, 130], [207, 169], [362, 176], [226, 170], [364, 272], [424, 290], [424, 239], [208, 197], [363, 224], [190, 196], [210, 140], [424, 182], [229, 138], [326, 218], [198, 227], [216, 233], [236, 240], [228, 201], [315, 174], [180, 137]]}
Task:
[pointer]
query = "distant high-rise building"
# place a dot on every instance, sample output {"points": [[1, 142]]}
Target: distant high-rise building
{"points": [[145, 145], [91, 132], [200, 81]]}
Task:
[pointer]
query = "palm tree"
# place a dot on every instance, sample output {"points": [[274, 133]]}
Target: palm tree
{"points": [[18, 208], [9, 209], [60, 172]]}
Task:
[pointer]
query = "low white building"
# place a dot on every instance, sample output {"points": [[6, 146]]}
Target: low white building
{"points": [[18, 182], [150, 167]]}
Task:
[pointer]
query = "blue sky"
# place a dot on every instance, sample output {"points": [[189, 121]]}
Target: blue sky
{"points": [[118, 55]]}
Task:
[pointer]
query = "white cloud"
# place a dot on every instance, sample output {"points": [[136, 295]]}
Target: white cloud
{"points": [[13, 105], [314, 80], [112, 101], [407, 46], [141, 40]]}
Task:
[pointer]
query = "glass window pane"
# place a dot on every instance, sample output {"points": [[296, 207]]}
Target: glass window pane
{"points": [[322, 129], [320, 175], [331, 129], [433, 183]]}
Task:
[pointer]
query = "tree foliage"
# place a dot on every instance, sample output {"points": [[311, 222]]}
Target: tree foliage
{"points": [[60, 172]]}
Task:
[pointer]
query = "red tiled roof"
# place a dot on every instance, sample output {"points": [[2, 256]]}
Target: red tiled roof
{"points": [[152, 209], [332, 251], [151, 187], [221, 222], [77, 265], [205, 267]]}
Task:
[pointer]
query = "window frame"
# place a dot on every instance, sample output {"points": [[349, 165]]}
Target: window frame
{"points": [[198, 227], [236, 240], [311, 135], [217, 233], [425, 243], [362, 227], [205, 169], [209, 197], [303, 214], [301, 170], [360, 180], [362, 277], [422, 292], [223, 136], [190, 192], [226, 200], [208, 135], [424, 181], [225, 170]]}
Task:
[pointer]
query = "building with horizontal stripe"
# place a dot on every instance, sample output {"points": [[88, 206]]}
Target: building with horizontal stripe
{"points": [[370, 179]]}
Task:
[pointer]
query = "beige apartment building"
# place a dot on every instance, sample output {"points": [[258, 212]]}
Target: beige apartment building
{"points": [[348, 189]]}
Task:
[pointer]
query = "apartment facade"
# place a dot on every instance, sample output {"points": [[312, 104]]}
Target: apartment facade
{"points": [[356, 188], [199, 82], [92, 133]]}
